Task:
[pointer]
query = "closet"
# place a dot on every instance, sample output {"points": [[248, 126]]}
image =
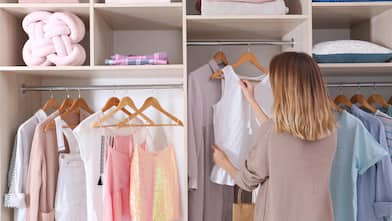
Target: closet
{"points": [[175, 28]]}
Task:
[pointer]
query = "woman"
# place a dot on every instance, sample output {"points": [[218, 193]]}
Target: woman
{"points": [[293, 153]]}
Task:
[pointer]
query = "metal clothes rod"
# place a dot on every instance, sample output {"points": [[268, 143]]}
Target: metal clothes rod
{"points": [[240, 43], [361, 84], [25, 88]]}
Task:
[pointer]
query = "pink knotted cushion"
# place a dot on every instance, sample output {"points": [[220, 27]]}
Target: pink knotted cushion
{"points": [[53, 39]]}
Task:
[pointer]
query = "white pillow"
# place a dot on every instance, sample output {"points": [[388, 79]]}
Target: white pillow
{"points": [[349, 47]]}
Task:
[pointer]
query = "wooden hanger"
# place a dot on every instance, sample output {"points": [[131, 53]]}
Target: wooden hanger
{"points": [[221, 58], [378, 99], [335, 106], [246, 57], [77, 105], [343, 100], [150, 102], [114, 102], [360, 99], [67, 103], [51, 103], [125, 101]]}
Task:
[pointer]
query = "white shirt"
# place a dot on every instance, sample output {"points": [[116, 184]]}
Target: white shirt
{"points": [[235, 122], [89, 140], [17, 174]]}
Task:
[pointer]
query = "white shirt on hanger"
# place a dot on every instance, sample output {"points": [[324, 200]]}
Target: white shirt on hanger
{"points": [[235, 122], [15, 198]]}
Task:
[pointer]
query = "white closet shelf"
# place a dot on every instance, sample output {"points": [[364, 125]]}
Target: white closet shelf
{"points": [[357, 68], [141, 16], [20, 10], [202, 27], [141, 71], [346, 14]]}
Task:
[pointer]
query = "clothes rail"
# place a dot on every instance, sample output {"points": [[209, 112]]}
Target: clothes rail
{"points": [[240, 43], [361, 84], [25, 88]]}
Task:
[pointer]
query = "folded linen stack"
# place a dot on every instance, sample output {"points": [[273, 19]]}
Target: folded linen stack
{"points": [[153, 59], [352, 0], [49, 1], [53, 39], [136, 1], [243, 7]]}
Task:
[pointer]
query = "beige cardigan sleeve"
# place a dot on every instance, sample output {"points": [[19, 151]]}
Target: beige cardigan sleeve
{"points": [[255, 169]]}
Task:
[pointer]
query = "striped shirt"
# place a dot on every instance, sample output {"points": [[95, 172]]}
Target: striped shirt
{"points": [[387, 121]]}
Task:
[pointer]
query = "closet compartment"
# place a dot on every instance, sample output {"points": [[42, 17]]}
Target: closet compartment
{"points": [[367, 21], [293, 31], [138, 30], [11, 17], [295, 7]]}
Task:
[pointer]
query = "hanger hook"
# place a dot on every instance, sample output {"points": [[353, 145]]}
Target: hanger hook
{"points": [[248, 47], [375, 86], [359, 87], [79, 93], [340, 88], [67, 93], [51, 93]]}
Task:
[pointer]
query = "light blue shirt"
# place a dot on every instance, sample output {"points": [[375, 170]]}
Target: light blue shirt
{"points": [[356, 151]]}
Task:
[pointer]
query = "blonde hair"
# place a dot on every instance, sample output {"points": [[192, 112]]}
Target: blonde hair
{"points": [[301, 104]]}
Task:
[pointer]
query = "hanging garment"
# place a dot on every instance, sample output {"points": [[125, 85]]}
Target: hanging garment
{"points": [[356, 152], [43, 170], [70, 201], [117, 177], [207, 201], [90, 142], [374, 187], [42, 173], [155, 194], [389, 110], [235, 122], [387, 121], [290, 170], [17, 173]]}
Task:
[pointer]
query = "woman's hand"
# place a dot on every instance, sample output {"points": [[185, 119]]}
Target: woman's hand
{"points": [[220, 157], [222, 161], [248, 90]]}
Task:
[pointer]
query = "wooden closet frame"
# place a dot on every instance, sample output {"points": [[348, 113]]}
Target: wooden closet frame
{"points": [[367, 21]]}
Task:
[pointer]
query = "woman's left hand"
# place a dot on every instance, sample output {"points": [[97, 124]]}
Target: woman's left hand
{"points": [[220, 157]]}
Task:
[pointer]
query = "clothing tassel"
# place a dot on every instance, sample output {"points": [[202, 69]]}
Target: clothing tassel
{"points": [[101, 161], [100, 181]]}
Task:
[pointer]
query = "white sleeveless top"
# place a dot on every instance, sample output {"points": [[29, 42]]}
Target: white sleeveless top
{"points": [[235, 122]]}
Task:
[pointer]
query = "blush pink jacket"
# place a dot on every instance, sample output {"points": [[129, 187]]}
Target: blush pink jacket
{"points": [[42, 173]]}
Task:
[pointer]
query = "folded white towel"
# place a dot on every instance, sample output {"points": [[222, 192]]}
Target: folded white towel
{"points": [[277, 7]]}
